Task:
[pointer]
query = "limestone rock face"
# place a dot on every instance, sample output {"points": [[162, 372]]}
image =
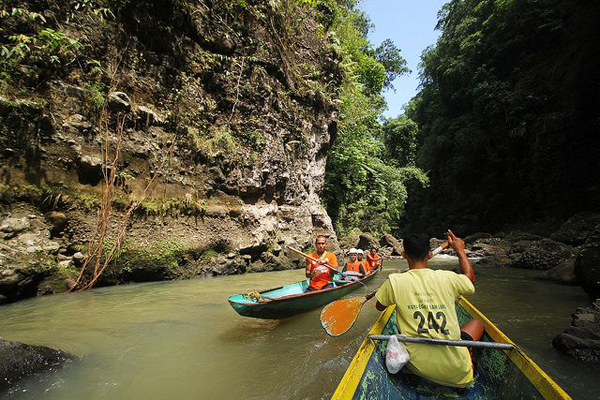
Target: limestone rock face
{"points": [[119, 101], [221, 133], [367, 242]]}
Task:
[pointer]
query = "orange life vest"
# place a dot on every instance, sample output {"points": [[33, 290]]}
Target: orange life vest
{"points": [[325, 275], [354, 267], [373, 261], [365, 265]]}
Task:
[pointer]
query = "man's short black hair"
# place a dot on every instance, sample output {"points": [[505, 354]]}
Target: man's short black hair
{"points": [[416, 245]]}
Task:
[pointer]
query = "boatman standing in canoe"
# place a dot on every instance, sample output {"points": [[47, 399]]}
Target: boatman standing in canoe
{"points": [[425, 307], [321, 277]]}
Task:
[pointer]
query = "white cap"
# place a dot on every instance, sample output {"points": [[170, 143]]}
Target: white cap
{"points": [[359, 251], [352, 251]]}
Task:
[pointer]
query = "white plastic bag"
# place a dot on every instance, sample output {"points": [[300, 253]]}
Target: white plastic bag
{"points": [[396, 355]]}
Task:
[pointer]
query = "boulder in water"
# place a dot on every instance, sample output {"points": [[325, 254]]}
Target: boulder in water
{"points": [[582, 339], [389, 241], [563, 273], [541, 254], [576, 229], [587, 265], [19, 360], [367, 242]]}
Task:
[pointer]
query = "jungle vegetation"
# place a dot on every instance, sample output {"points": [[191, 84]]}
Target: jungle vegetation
{"points": [[503, 133], [507, 115], [371, 160]]}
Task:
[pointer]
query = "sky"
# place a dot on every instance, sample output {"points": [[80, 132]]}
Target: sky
{"points": [[410, 24]]}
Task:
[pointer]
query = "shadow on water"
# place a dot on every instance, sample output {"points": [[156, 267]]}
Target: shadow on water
{"points": [[251, 329]]}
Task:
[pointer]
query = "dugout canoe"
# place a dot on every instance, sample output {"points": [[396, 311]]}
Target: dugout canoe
{"points": [[285, 301], [500, 374]]}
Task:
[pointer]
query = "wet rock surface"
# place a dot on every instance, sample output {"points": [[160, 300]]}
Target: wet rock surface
{"points": [[576, 229], [19, 361], [582, 339], [29, 255], [367, 242], [587, 264], [563, 273], [541, 254], [391, 242]]}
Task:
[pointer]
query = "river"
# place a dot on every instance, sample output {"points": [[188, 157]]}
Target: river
{"points": [[182, 339]]}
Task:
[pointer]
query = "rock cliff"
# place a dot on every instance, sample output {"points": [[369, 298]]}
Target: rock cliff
{"points": [[219, 115]]}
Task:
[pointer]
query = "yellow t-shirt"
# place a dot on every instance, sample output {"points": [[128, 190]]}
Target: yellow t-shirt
{"points": [[425, 307]]}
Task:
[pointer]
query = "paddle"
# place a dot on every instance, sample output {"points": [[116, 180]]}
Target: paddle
{"points": [[338, 317], [446, 342]]}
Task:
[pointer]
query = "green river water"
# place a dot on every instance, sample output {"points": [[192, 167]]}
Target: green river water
{"points": [[182, 340]]}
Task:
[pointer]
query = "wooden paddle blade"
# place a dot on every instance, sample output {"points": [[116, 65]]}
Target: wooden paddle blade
{"points": [[338, 317]]}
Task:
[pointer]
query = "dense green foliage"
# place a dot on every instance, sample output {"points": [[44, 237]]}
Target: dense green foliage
{"points": [[508, 115], [365, 181]]}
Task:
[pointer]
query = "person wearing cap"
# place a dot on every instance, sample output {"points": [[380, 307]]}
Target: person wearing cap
{"points": [[353, 267], [360, 254]]}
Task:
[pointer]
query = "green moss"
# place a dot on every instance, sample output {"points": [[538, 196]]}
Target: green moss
{"points": [[56, 281], [42, 264], [88, 201], [208, 254], [158, 255], [257, 267], [174, 207]]}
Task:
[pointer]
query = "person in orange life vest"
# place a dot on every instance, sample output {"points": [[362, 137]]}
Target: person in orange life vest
{"points": [[353, 267], [373, 259], [360, 254], [320, 276]]}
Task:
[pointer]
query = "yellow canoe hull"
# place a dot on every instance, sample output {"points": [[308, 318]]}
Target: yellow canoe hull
{"points": [[500, 373]]}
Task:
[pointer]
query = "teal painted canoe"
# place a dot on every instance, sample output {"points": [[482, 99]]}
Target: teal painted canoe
{"points": [[500, 374], [288, 300]]}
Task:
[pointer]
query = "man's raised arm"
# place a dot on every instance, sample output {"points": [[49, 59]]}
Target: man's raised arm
{"points": [[463, 261]]}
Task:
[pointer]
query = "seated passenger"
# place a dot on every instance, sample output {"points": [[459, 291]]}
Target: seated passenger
{"points": [[360, 254], [353, 267], [373, 259]]}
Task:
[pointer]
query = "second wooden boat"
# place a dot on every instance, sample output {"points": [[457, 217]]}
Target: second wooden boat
{"points": [[500, 374], [288, 300]]}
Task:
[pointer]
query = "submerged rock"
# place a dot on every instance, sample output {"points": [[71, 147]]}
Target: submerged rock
{"points": [[563, 273], [19, 360], [582, 339]]}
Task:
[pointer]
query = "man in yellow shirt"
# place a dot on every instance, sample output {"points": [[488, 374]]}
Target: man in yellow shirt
{"points": [[425, 307]]}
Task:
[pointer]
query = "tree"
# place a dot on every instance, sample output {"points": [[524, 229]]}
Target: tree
{"points": [[395, 65]]}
